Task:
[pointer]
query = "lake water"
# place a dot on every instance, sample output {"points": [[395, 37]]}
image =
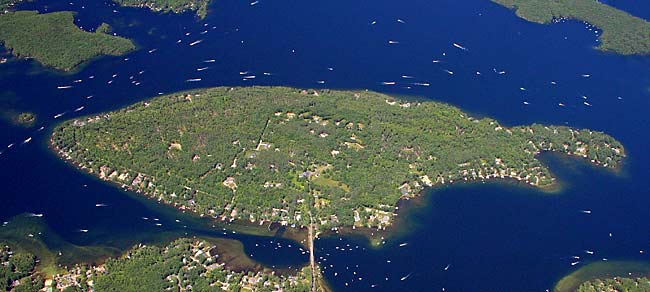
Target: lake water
{"points": [[494, 236]]}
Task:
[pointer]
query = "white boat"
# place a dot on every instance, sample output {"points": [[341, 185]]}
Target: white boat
{"points": [[152, 50], [436, 61], [89, 97], [403, 244], [79, 108], [10, 145], [59, 115], [447, 267], [27, 140], [575, 263], [405, 277], [110, 81], [158, 224], [41, 128], [407, 77], [35, 215], [526, 103], [448, 71], [254, 3], [373, 22], [249, 77], [460, 47], [100, 205], [83, 230], [193, 80], [195, 42], [77, 81], [64, 87], [560, 104], [586, 103], [393, 42], [267, 74], [421, 84], [202, 68], [209, 61], [586, 75], [320, 81], [589, 251], [400, 21], [243, 72], [553, 82], [522, 88], [388, 83], [330, 69], [586, 211]]}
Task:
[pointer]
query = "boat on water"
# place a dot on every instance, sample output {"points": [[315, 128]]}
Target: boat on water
{"points": [[526, 103], [152, 50], [447, 267], [586, 103], [400, 21], [575, 263], [64, 87], [59, 115], [403, 244], [586, 75], [388, 83], [193, 80], [405, 277], [202, 68], [35, 215], [448, 71], [407, 76], [460, 47], [320, 81], [585, 211], [209, 61], [421, 84], [27, 140], [249, 77], [393, 42], [589, 251], [436, 61], [100, 205], [83, 230], [254, 3], [79, 108], [195, 42]]}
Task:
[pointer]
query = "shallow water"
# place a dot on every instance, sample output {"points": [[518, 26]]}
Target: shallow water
{"points": [[494, 237]]}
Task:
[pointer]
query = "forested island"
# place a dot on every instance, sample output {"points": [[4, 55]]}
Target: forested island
{"points": [[308, 158], [607, 276], [175, 6], [54, 40], [621, 32]]}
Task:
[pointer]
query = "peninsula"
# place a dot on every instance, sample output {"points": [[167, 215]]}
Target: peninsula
{"points": [[175, 6], [622, 33], [54, 40], [321, 159], [607, 276]]}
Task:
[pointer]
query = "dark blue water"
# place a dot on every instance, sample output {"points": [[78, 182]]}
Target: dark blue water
{"points": [[494, 237]]}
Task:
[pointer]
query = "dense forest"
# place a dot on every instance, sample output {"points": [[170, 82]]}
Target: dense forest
{"points": [[616, 284], [279, 154], [176, 6], [54, 40], [17, 271], [621, 32]]}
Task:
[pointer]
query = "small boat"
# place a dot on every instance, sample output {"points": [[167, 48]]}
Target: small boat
{"points": [[575, 263], [373, 22], [35, 215], [249, 77], [202, 68], [447, 267], [158, 224], [460, 47], [436, 61], [83, 230], [178, 41], [254, 3], [526, 103], [405, 277], [422, 84], [59, 115], [320, 81], [79, 108], [152, 50], [585, 211], [195, 42], [64, 87], [586, 103], [478, 72], [243, 72], [266, 74], [393, 42], [110, 81], [10, 145], [89, 97], [448, 71], [407, 77], [400, 21], [145, 218], [209, 61], [77, 81], [403, 244], [560, 104], [41, 128], [330, 69], [553, 82], [589, 252], [388, 83], [193, 80], [522, 88], [27, 140], [586, 75], [114, 75], [100, 205]]}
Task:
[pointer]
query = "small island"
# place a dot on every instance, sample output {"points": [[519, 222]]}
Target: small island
{"points": [[622, 33], [607, 276], [54, 40], [25, 119], [303, 158], [175, 6]]}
